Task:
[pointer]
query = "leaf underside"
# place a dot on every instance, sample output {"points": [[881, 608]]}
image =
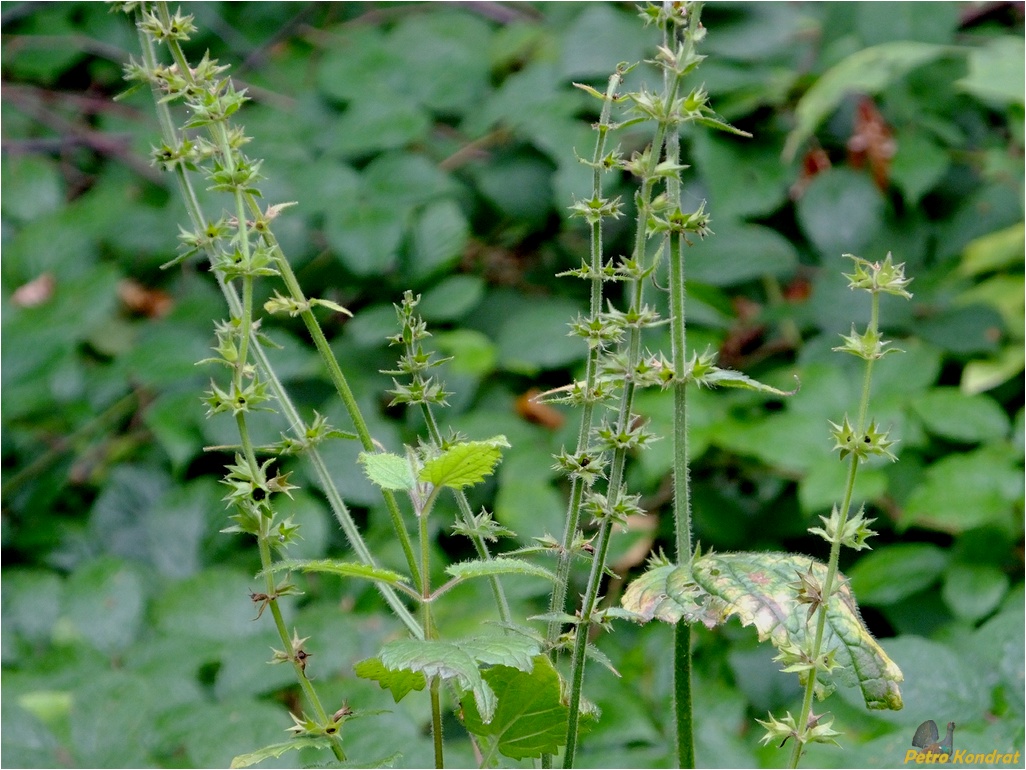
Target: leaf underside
{"points": [[759, 589], [406, 664]]}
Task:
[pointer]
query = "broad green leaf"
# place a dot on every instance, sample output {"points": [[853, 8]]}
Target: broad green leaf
{"points": [[498, 566], [31, 604], [996, 72], [919, 164], [759, 589], [372, 125], [106, 601], [739, 253], [365, 234], [451, 298], [446, 661], [994, 251], [277, 749], [954, 415], [967, 490], [464, 464], [472, 352], [973, 591], [980, 376], [340, 568], [894, 572], [439, 240], [525, 325], [530, 719], [387, 470], [399, 681], [840, 212], [513, 651], [867, 71], [212, 604], [730, 379]]}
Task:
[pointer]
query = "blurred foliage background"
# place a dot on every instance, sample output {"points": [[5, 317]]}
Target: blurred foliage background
{"points": [[431, 147]]}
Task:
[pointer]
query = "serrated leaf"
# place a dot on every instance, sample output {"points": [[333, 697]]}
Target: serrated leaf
{"points": [[498, 566], [464, 464], [758, 588], [446, 661], [513, 651], [400, 682], [277, 749], [387, 470], [728, 378], [647, 597], [335, 567], [530, 719]]}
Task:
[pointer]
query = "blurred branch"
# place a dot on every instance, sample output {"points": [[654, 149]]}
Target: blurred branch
{"points": [[41, 105]]}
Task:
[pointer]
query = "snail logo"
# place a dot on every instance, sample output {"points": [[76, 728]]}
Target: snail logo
{"points": [[928, 739]]}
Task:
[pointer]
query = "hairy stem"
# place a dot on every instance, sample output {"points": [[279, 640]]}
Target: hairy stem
{"points": [[835, 549]]}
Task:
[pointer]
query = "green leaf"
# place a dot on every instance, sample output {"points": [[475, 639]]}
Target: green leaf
{"points": [[919, 164], [365, 234], [31, 603], [452, 298], [372, 125], [840, 212], [472, 352], [439, 240], [400, 682], [758, 588], [277, 749], [513, 651], [444, 660], [32, 186], [387, 470], [954, 415], [994, 251], [973, 591], [530, 719], [464, 464], [739, 253], [105, 602], [996, 73], [728, 378], [868, 71], [335, 567], [525, 324], [497, 566], [893, 572], [968, 490]]}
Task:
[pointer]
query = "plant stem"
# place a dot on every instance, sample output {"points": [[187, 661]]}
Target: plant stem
{"points": [[468, 518], [429, 626], [436, 724], [341, 384], [682, 701], [199, 222], [835, 548], [560, 587], [286, 640]]}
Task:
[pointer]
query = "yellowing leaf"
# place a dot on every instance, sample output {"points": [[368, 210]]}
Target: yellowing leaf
{"points": [[758, 588]]}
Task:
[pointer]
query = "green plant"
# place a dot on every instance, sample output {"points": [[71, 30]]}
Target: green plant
{"points": [[241, 251], [110, 521]]}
